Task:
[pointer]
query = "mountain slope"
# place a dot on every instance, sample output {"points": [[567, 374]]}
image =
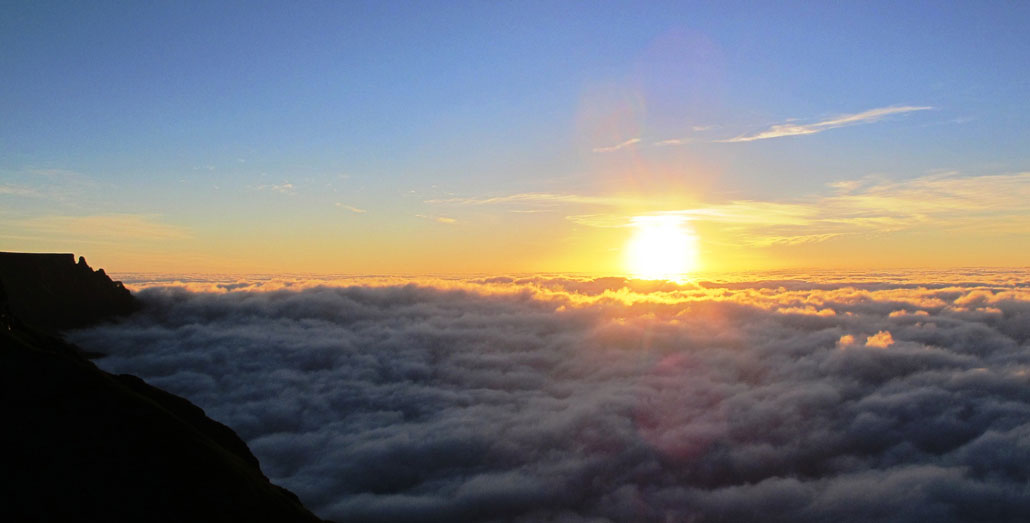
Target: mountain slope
{"points": [[80, 444]]}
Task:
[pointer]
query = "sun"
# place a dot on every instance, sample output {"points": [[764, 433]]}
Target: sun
{"points": [[662, 247]]}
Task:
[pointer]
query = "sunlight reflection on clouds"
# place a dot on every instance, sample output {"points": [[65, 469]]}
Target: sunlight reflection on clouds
{"points": [[804, 398]]}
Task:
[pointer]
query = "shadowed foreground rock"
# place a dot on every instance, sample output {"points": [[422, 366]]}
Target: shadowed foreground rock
{"points": [[80, 444], [53, 293]]}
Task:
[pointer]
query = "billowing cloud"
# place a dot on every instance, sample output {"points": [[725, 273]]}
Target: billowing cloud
{"points": [[881, 340], [565, 399], [794, 129]]}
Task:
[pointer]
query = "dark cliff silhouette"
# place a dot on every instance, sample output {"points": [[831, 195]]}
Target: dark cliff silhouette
{"points": [[80, 444], [51, 292]]}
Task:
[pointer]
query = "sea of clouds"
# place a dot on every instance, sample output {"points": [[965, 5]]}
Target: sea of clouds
{"points": [[831, 397]]}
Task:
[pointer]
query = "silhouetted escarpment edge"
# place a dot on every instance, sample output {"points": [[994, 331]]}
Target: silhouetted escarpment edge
{"points": [[81, 444], [51, 292]]}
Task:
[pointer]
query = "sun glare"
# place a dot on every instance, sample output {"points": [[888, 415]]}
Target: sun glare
{"points": [[662, 248]]}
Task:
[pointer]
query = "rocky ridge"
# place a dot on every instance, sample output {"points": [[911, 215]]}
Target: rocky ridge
{"points": [[81, 444]]}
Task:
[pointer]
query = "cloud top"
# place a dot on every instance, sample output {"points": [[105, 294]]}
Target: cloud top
{"points": [[556, 398]]}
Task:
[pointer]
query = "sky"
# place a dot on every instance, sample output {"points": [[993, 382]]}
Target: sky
{"points": [[488, 137]]}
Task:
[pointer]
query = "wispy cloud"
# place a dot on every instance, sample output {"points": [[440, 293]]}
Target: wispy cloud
{"points": [[789, 128], [742, 213], [673, 141], [989, 204], [17, 190], [684, 140], [283, 188], [438, 219], [98, 228], [617, 146], [58, 174], [59, 185], [943, 202], [992, 204], [350, 208], [600, 220], [792, 129], [536, 199]]}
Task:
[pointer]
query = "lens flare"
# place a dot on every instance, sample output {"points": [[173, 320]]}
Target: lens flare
{"points": [[661, 248]]}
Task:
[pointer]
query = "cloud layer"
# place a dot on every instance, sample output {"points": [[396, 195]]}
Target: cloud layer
{"points": [[877, 398]]}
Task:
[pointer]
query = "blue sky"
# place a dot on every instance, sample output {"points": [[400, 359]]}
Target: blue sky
{"points": [[264, 120]]}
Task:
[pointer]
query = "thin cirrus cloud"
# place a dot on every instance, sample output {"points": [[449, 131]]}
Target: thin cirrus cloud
{"points": [[351, 208], [684, 141], [446, 220], [283, 188], [780, 130], [617, 146], [58, 185], [673, 141], [949, 201], [101, 228], [17, 190], [791, 129], [985, 204], [535, 199], [572, 399], [993, 204]]}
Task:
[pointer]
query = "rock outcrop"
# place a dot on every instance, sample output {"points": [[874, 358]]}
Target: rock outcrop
{"points": [[80, 444], [51, 292]]}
